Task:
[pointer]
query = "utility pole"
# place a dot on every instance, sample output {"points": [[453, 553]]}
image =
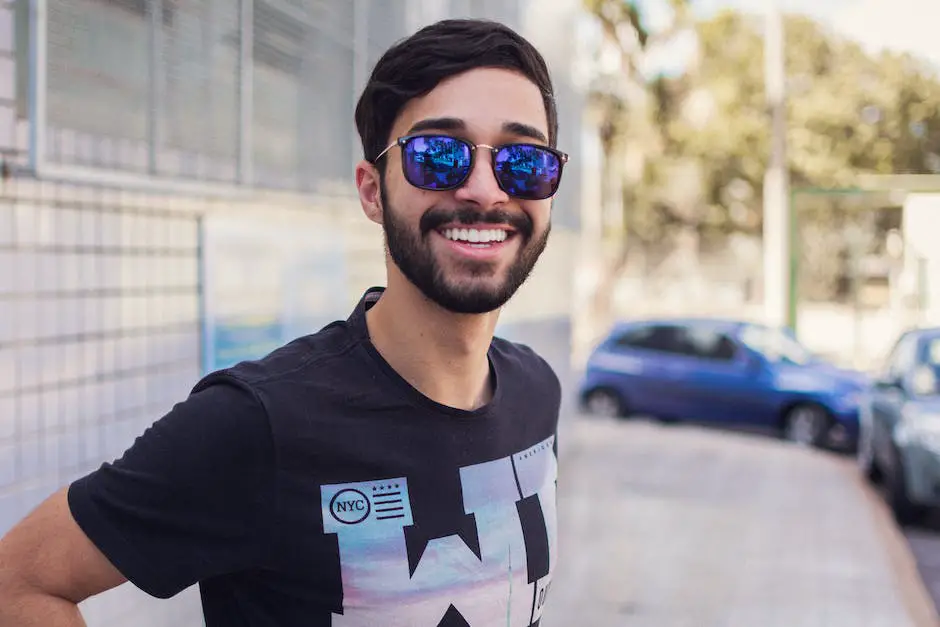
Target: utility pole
{"points": [[776, 180]]}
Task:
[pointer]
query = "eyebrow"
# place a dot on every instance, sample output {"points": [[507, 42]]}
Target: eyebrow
{"points": [[456, 124], [524, 130]]}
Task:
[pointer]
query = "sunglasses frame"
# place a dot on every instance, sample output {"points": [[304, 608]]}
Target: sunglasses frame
{"points": [[401, 141]]}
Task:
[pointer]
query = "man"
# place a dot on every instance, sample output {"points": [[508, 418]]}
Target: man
{"points": [[396, 468]]}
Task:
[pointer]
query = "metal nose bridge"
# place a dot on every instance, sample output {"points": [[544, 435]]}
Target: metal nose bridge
{"points": [[491, 166], [492, 150]]}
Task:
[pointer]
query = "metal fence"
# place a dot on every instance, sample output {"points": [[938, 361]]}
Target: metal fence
{"points": [[232, 92]]}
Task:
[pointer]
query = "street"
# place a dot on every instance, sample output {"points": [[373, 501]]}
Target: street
{"points": [[924, 541], [669, 526]]}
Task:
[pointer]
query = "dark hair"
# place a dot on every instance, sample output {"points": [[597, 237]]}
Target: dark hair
{"points": [[414, 66]]}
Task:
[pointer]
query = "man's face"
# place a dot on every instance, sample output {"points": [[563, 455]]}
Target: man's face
{"points": [[468, 249]]}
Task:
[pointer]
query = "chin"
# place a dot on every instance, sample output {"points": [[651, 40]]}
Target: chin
{"points": [[470, 299]]}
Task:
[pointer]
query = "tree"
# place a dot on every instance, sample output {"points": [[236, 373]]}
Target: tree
{"points": [[849, 113], [698, 143], [630, 106], [630, 102]]}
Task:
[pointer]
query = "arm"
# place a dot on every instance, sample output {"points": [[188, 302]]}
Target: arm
{"points": [[48, 566]]}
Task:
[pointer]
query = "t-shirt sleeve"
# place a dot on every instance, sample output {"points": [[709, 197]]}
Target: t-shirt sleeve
{"points": [[194, 496]]}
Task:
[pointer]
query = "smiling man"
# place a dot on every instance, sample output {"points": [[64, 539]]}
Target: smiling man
{"points": [[397, 468]]}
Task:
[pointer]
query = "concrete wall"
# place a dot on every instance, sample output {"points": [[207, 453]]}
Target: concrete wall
{"points": [[99, 336], [921, 276]]}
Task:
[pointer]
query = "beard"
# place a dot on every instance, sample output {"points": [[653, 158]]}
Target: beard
{"points": [[475, 292]]}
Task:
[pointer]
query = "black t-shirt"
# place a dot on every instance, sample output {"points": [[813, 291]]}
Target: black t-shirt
{"points": [[316, 487]]}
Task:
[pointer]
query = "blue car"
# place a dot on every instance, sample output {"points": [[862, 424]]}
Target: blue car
{"points": [[723, 372]]}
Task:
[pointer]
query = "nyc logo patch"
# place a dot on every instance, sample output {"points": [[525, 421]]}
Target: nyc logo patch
{"points": [[368, 504]]}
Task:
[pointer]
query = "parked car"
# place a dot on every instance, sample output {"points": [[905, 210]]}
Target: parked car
{"points": [[899, 442], [723, 371]]}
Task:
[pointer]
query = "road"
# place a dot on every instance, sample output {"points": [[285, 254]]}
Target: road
{"points": [[671, 526], [924, 541]]}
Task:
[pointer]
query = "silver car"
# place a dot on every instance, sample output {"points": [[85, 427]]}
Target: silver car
{"points": [[899, 426]]}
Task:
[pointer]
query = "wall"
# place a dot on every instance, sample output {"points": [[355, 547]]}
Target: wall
{"points": [[100, 335], [920, 225]]}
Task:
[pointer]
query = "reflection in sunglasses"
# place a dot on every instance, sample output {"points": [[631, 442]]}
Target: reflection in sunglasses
{"points": [[442, 162]]}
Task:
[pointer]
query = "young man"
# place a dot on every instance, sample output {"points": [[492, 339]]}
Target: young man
{"points": [[397, 468]]}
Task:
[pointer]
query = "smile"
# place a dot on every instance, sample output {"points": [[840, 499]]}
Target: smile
{"points": [[480, 244], [478, 238]]}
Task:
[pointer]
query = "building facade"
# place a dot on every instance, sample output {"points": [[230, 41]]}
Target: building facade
{"points": [[176, 195]]}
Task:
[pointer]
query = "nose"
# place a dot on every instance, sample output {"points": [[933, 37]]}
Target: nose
{"points": [[481, 187]]}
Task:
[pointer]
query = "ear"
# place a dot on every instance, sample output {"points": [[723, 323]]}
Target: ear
{"points": [[370, 194]]}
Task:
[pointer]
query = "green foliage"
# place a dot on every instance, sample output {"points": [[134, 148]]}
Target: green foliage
{"points": [[849, 113]]}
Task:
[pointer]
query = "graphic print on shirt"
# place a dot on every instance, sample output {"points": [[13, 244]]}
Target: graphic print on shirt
{"points": [[495, 574]]}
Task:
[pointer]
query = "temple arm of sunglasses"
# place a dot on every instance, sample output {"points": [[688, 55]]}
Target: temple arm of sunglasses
{"points": [[387, 148]]}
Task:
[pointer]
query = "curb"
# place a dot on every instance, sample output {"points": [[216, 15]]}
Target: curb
{"points": [[913, 592]]}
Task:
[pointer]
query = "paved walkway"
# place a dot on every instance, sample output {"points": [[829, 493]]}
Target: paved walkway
{"points": [[672, 526]]}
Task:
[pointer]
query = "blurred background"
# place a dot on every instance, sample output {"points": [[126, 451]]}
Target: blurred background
{"points": [[745, 230]]}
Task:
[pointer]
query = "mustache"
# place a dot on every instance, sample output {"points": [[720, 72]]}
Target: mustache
{"points": [[435, 218]]}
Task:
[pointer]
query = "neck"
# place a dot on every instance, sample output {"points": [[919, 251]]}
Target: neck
{"points": [[441, 354]]}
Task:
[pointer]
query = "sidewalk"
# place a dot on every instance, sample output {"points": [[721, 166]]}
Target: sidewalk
{"points": [[682, 526]]}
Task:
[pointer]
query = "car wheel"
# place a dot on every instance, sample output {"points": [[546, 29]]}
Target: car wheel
{"points": [[865, 454], [806, 425], [605, 403], [905, 511]]}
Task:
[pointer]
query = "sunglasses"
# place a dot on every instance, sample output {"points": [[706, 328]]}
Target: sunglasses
{"points": [[441, 162]]}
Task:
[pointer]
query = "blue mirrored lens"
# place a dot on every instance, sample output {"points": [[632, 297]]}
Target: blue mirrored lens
{"points": [[436, 162], [527, 171]]}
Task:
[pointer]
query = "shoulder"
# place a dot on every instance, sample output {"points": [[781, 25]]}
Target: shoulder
{"points": [[294, 362], [525, 365], [309, 382]]}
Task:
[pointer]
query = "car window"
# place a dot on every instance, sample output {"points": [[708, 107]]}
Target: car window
{"points": [[903, 358], [775, 345], [656, 337], [708, 343], [691, 341], [932, 351]]}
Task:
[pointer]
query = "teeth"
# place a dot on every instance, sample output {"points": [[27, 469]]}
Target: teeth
{"points": [[475, 236]]}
